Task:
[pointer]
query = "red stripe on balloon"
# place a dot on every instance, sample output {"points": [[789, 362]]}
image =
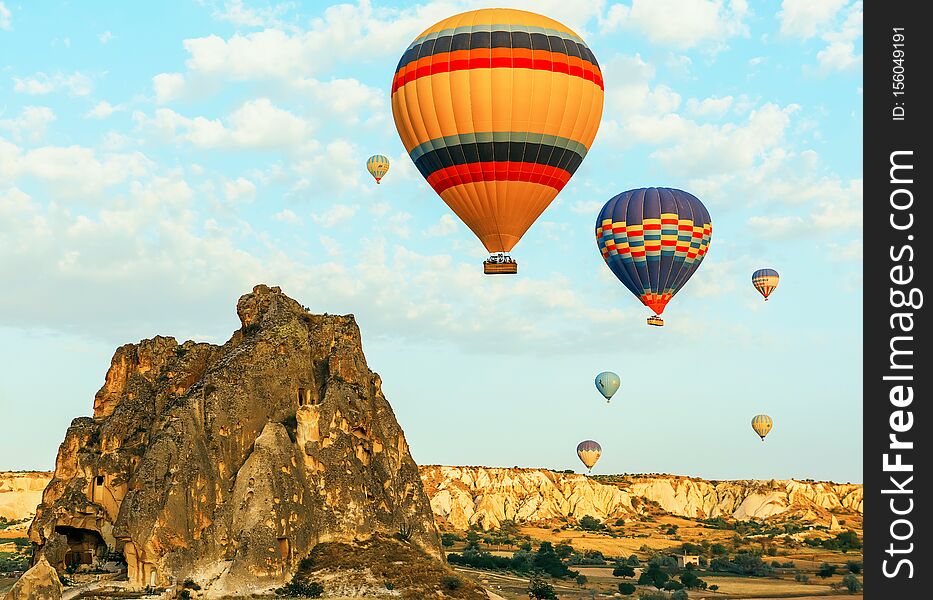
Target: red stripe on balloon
{"points": [[479, 172]]}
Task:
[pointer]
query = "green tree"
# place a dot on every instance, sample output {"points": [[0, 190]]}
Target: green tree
{"points": [[590, 523], [581, 580], [680, 595], [623, 571], [563, 550], [653, 575], [448, 539], [691, 581], [626, 589], [826, 570], [854, 566], [541, 589]]}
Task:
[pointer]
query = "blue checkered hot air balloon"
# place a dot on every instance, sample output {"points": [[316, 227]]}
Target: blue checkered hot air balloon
{"points": [[653, 240]]}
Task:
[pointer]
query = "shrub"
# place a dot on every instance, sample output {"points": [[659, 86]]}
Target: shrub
{"points": [[679, 595], [801, 578], [190, 584], [852, 583], [713, 587], [826, 570], [300, 588], [626, 589], [854, 566], [581, 580], [185, 595], [448, 539], [451, 583]]}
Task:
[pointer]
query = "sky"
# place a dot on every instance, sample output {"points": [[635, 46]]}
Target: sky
{"points": [[157, 160]]}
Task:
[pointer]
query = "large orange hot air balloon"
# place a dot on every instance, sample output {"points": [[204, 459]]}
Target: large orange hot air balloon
{"points": [[497, 108]]}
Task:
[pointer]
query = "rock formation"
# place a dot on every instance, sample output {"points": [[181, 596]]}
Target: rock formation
{"points": [[20, 492], [466, 496], [38, 583], [229, 464]]}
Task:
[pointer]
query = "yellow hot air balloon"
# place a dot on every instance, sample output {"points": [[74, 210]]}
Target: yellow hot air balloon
{"points": [[589, 452], [762, 425], [378, 166], [497, 108]]}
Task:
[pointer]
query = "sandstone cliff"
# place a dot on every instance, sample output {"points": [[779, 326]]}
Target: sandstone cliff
{"points": [[229, 464], [465, 496], [20, 492]]}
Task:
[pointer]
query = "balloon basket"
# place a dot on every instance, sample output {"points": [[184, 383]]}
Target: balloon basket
{"points": [[500, 264], [656, 321]]}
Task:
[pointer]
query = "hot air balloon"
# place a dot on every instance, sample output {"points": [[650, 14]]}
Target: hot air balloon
{"points": [[589, 452], [653, 240], [607, 383], [497, 108], [765, 281], [762, 425], [378, 166]]}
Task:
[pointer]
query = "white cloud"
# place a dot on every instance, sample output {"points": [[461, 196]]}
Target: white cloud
{"points": [[287, 216], [849, 252], [6, 18], [681, 24], [240, 190], [76, 84], [714, 106], [840, 53], [335, 215], [105, 37], [168, 86], [805, 18], [236, 12], [703, 149], [73, 170], [31, 124], [446, 225], [256, 124], [102, 110]]}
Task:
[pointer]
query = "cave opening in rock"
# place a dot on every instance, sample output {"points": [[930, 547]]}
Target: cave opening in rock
{"points": [[285, 549], [84, 545], [100, 480], [304, 397]]}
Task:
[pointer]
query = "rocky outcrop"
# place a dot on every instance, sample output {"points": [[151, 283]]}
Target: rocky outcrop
{"points": [[466, 496], [38, 583], [228, 464], [20, 492]]}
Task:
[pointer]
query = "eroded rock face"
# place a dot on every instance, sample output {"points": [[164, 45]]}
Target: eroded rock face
{"points": [[465, 496], [20, 492], [227, 464], [38, 583]]}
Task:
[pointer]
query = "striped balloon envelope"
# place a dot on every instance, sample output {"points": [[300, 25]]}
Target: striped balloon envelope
{"points": [[653, 240], [378, 166], [497, 108], [589, 452], [765, 281], [762, 424]]}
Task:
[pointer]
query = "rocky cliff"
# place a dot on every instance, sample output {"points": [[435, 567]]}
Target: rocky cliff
{"points": [[465, 496], [20, 492], [229, 464]]}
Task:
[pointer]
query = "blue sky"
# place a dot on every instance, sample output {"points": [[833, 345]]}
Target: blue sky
{"points": [[158, 160]]}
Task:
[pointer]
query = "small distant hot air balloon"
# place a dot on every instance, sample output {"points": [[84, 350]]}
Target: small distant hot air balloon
{"points": [[653, 240], [378, 166], [589, 452], [497, 109], [607, 383], [762, 425], [765, 281]]}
